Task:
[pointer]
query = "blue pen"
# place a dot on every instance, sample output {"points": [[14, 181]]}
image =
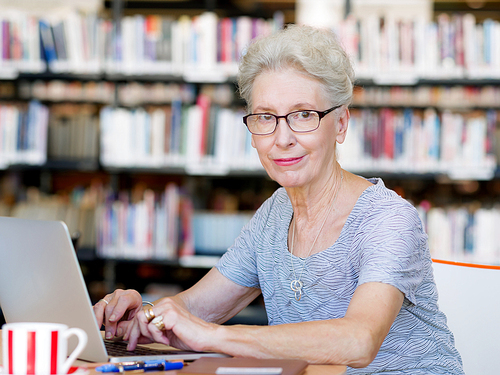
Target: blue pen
{"points": [[152, 365]]}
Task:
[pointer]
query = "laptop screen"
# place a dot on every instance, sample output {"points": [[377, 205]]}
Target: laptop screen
{"points": [[41, 280]]}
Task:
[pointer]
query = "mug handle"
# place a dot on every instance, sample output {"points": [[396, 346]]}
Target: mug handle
{"points": [[82, 342]]}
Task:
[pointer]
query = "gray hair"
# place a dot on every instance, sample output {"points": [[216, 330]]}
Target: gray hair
{"points": [[316, 52]]}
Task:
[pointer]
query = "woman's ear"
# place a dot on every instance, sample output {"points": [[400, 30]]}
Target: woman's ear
{"points": [[342, 125]]}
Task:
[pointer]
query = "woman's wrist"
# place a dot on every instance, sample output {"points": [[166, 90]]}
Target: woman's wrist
{"points": [[217, 338], [236, 339]]}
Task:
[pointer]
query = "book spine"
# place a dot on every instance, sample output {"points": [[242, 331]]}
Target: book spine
{"points": [[6, 40], [203, 102]]}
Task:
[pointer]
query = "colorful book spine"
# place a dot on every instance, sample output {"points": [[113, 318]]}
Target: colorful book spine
{"points": [[464, 233], [23, 134], [403, 51], [203, 138], [144, 229], [47, 39], [384, 49], [421, 141]]}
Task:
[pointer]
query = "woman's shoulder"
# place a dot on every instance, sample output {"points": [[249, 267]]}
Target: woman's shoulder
{"points": [[378, 201], [378, 193]]}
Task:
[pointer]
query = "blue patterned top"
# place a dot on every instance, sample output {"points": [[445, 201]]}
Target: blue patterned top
{"points": [[383, 240]]}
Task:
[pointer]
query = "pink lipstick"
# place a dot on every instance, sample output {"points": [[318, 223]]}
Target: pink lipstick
{"points": [[287, 161]]}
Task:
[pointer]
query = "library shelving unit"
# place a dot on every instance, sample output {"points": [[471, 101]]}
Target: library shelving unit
{"points": [[75, 147], [128, 128]]}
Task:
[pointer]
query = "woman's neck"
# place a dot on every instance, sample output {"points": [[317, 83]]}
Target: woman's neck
{"points": [[310, 202]]}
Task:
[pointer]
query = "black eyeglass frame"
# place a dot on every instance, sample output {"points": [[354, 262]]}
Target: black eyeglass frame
{"points": [[321, 114]]}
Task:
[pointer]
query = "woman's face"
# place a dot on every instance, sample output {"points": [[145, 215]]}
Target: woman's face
{"points": [[296, 159]]}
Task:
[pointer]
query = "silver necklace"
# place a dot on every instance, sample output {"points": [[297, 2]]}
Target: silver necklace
{"points": [[296, 285]]}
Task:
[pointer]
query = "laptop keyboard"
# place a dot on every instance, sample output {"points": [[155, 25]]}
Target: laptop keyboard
{"points": [[119, 349]]}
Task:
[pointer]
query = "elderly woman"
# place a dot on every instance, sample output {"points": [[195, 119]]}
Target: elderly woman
{"points": [[341, 261]]}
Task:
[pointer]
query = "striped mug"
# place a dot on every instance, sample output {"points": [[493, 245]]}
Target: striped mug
{"points": [[39, 348]]}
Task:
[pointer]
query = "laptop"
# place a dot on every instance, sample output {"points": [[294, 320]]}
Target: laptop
{"points": [[41, 281]]}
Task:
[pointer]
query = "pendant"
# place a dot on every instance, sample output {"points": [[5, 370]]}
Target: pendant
{"points": [[296, 287]]}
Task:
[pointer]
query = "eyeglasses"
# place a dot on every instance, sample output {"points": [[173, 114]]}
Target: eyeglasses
{"points": [[298, 121]]}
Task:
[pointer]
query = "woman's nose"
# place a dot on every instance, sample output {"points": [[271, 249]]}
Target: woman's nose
{"points": [[284, 134]]}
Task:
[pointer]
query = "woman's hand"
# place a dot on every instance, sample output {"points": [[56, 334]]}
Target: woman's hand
{"points": [[172, 325], [117, 310]]}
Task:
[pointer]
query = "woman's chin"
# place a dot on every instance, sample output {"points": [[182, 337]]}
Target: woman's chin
{"points": [[287, 179]]}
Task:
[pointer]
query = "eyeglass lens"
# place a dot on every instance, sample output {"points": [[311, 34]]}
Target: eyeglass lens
{"points": [[301, 121]]}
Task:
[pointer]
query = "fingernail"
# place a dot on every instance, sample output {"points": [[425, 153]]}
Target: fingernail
{"points": [[112, 318], [119, 332], [109, 336]]}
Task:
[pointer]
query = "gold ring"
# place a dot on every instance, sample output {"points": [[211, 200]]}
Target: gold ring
{"points": [[150, 315], [102, 299], [158, 322]]}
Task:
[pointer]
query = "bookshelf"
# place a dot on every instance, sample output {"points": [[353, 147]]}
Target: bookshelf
{"points": [[101, 165]]}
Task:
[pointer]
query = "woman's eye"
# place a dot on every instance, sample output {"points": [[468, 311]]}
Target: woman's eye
{"points": [[301, 116], [266, 118]]}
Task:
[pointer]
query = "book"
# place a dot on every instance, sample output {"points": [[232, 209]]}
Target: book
{"points": [[140, 225], [164, 44], [186, 237], [171, 203], [176, 128], [387, 49], [225, 46], [203, 102], [158, 135], [60, 40], [6, 51], [47, 41]]}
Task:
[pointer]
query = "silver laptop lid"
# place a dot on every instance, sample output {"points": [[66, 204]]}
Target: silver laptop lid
{"points": [[41, 280]]}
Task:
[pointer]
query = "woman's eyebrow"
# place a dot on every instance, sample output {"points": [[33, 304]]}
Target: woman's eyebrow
{"points": [[262, 110], [295, 107]]}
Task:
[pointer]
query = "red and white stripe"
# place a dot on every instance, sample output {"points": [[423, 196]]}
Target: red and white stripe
{"points": [[28, 352]]}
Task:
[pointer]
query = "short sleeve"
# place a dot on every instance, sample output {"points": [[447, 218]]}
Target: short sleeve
{"points": [[393, 247], [239, 263]]}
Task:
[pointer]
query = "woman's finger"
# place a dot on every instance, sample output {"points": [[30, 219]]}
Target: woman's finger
{"points": [[132, 335], [99, 308], [157, 330], [122, 305], [109, 326], [138, 328]]}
